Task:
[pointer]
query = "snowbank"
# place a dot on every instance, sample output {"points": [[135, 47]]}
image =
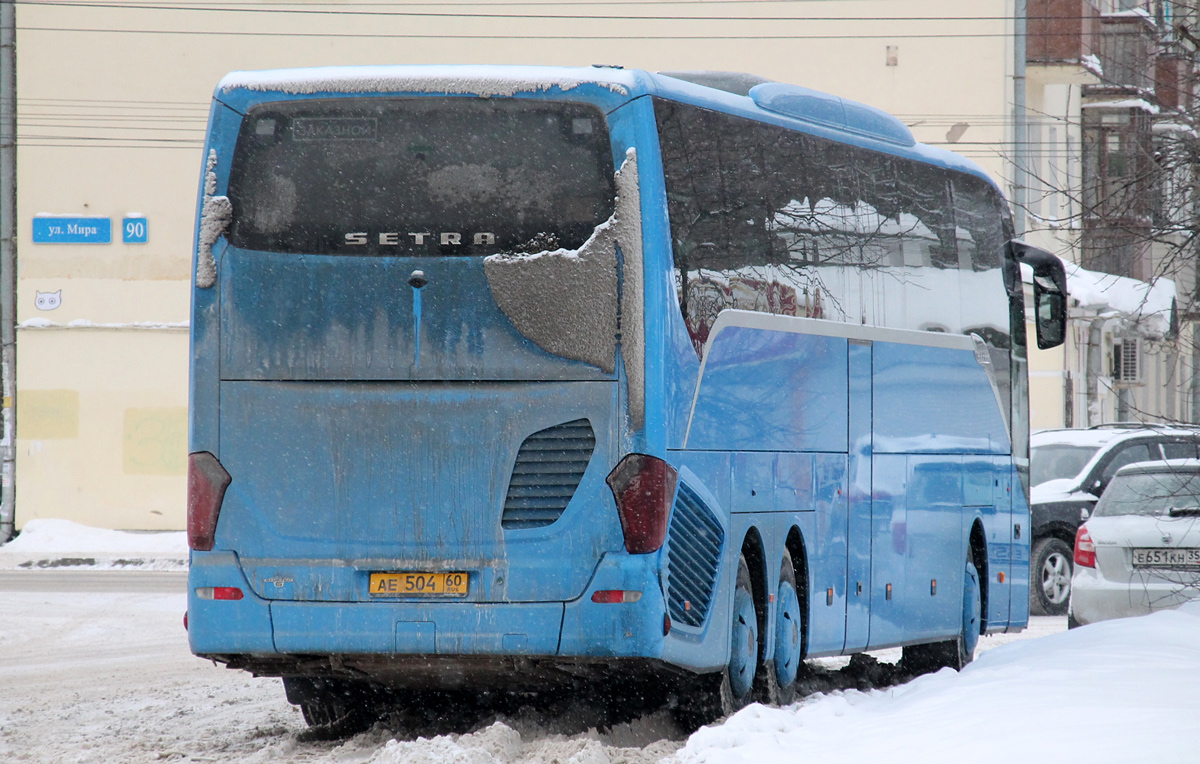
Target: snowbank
{"points": [[1116, 691], [64, 544]]}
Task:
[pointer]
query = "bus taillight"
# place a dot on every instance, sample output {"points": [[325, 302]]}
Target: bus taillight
{"points": [[643, 487], [207, 481], [219, 593]]}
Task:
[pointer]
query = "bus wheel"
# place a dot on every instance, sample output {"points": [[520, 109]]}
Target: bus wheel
{"points": [[743, 657], [789, 637], [955, 653], [332, 708], [713, 696]]}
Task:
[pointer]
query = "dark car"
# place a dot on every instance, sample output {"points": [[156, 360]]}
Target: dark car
{"points": [[1069, 470]]}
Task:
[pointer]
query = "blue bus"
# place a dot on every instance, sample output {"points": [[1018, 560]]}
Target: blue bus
{"points": [[518, 380]]}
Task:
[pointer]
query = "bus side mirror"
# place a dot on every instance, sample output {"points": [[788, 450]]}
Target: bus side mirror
{"points": [[1049, 293]]}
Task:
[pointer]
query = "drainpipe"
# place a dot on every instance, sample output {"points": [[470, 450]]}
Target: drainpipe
{"points": [[1095, 367], [8, 264], [1193, 414], [1020, 127]]}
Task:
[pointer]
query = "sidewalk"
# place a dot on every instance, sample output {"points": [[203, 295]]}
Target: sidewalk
{"points": [[62, 544]]}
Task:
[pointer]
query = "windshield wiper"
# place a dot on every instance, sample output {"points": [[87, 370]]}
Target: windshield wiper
{"points": [[1184, 512]]}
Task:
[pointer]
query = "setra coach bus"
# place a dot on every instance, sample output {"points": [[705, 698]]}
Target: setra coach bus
{"points": [[513, 380]]}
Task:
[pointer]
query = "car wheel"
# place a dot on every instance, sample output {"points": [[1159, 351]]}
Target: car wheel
{"points": [[1050, 580]]}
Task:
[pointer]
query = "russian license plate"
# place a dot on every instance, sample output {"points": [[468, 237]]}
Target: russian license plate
{"points": [[414, 584], [1166, 558]]}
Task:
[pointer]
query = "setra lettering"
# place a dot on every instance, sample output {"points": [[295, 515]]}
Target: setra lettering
{"points": [[419, 238]]}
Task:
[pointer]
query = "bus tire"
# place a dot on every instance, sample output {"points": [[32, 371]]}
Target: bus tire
{"points": [[955, 653], [332, 708], [714, 696], [789, 633], [743, 643]]}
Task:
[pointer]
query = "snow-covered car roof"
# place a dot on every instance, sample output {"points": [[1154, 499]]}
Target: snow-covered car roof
{"points": [[1103, 436], [1160, 465], [1100, 438]]}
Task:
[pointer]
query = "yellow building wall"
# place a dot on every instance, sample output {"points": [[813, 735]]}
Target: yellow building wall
{"points": [[112, 122]]}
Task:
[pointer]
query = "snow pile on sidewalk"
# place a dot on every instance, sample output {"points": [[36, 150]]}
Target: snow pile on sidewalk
{"points": [[1116, 691], [64, 544]]}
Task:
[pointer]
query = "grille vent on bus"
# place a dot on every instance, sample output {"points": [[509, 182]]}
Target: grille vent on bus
{"points": [[693, 558], [549, 466]]}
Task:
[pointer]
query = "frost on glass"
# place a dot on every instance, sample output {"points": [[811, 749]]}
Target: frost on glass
{"points": [[569, 302], [215, 214], [431, 176]]}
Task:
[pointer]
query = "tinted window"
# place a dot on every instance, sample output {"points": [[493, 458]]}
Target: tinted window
{"points": [[1053, 462], [1150, 494], [1127, 455], [770, 219], [1179, 450], [459, 176]]}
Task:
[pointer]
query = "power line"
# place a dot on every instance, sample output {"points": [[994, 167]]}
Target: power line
{"points": [[522, 3], [544, 37], [492, 15]]}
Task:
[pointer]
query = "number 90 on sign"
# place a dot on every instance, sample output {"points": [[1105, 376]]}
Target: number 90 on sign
{"points": [[135, 230]]}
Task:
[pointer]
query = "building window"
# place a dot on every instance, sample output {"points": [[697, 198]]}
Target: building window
{"points": [[1126, 366]]}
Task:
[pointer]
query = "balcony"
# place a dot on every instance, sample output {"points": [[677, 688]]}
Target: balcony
{"points": [[1174, 79], [1127, 46], [1061, 31]]}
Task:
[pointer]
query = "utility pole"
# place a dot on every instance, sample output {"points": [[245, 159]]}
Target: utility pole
{"points": [[1020, 127], [8, 265]]}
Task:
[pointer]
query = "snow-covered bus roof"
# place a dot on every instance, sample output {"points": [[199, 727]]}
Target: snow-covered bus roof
{"points": [[484, 81]]}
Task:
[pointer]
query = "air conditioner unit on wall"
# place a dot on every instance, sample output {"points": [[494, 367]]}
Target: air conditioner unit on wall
{"points": [[1127, 362]]}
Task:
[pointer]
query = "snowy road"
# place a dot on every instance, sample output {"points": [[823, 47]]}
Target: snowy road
{"points": [[94, 667], [93, 581]]}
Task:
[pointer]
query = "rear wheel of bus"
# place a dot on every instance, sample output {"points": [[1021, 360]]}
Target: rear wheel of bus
{"points": [[333, 708], [714, 696], [789, 633]]}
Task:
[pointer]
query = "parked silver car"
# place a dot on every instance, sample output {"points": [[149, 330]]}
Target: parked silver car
{"points": [[1140, 549], [1069, 471]]}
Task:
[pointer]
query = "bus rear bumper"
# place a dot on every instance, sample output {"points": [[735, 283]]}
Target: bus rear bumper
{"points": [[215, 626], [292, 632]]}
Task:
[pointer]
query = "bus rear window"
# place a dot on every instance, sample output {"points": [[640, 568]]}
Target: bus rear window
{"points": [[420, 176]]}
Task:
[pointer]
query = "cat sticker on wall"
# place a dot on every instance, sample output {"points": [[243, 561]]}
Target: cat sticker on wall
{"points": [[48, 300]]}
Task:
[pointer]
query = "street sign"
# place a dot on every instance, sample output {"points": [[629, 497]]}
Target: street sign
{"points": [[52, 229], [135, 230]]}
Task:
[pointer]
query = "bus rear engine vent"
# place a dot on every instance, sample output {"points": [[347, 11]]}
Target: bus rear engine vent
{"points": [[694, 541], [549, 466]]}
